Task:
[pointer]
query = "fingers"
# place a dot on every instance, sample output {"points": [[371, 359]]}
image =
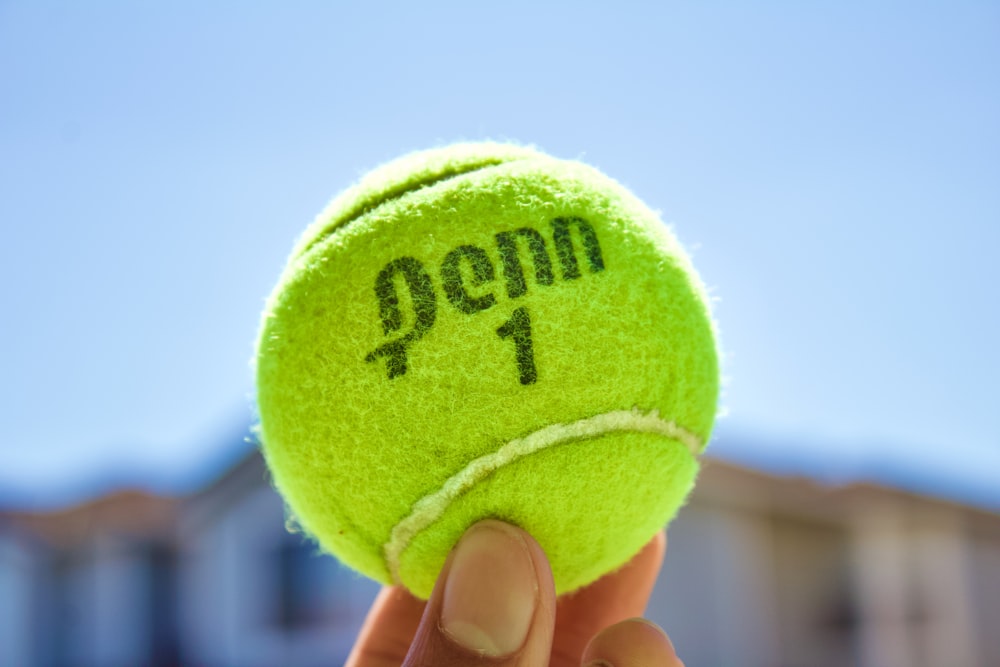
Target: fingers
{"points": [[388, 631], [632, 643], [494, 604], [473, 612], [615, 597]]}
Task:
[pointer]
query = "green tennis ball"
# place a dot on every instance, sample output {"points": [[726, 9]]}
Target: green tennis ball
{"points": [[485, 331]]}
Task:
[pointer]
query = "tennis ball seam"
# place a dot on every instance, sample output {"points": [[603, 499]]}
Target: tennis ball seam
{"points": [[432, 507], [365, 207]]}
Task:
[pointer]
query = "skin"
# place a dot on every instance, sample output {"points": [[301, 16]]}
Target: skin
{"points": [[599, 625]]}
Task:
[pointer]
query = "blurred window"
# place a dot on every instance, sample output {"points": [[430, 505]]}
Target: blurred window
{"points": [[162, 606], [818, 615], [314, 590]]}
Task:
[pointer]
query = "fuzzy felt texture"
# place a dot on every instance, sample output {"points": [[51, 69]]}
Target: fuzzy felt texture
{"points": [[460, 300]]}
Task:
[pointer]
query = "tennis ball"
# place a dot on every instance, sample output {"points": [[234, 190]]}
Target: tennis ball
{"points": [[485, 331]]}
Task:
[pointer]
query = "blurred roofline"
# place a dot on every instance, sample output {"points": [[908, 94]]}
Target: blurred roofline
{"points": [[732, 445]]}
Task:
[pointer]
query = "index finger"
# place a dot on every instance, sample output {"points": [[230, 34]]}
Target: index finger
{"points": [[388, 630], [615, 597]]}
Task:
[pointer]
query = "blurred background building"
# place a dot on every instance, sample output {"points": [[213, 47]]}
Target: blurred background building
{"points": [[761, 570]]}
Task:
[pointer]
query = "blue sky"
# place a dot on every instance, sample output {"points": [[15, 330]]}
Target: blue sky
{"points": [[835, 172]]}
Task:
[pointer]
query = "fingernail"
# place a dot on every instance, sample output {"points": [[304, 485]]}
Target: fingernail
{"points": [[491, 591]]}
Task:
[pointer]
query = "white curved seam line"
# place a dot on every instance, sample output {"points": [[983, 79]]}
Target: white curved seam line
{"points": [[429, 509]]}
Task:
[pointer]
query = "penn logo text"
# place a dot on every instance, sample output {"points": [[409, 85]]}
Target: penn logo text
{"points": [[467, 274]]}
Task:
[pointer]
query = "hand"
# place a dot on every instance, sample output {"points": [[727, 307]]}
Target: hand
{"points": [[494, 604]]}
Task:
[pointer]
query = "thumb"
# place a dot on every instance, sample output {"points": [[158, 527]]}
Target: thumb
{"points": [[494, 604]]}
